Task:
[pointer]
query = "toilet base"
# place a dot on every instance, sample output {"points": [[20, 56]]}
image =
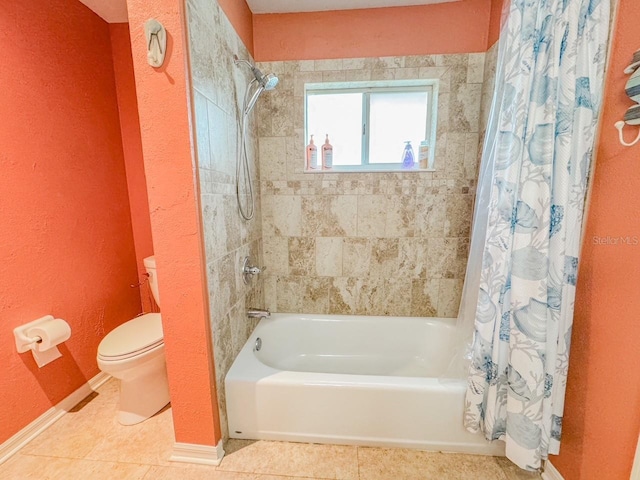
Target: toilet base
{"points": [[143, 396]]}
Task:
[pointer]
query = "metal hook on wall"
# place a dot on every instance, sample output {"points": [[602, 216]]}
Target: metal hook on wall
{"points": [[620, 126]]}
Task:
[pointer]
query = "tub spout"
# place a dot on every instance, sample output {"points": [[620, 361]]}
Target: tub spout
{"points": [[258, 313]]}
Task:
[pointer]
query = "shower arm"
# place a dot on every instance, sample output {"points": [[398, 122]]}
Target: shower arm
{"points": [[256, 73], [237, 61]]}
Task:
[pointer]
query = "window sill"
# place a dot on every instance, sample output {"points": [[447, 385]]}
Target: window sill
{"points": [[369, 170]]}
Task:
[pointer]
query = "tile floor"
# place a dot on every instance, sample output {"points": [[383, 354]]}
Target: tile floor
{"points": [[88, 443]]}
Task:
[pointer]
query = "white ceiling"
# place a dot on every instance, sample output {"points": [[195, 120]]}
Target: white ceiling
{"points": [[112, 11], [285, 6], [115, 11]]}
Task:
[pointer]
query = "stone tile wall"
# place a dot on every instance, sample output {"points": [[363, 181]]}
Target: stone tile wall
{"points": [[369, 243], [488, 87], [218, 87]]}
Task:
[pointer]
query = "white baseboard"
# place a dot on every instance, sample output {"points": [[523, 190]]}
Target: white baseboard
{"points": [[202, 454], [11, 446], [550, 472]]}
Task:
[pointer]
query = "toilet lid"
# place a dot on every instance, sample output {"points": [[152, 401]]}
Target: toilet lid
{"points": [[140, 334]]}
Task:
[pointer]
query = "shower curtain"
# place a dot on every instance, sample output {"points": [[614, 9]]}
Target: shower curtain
{"points": [[528, 222]]}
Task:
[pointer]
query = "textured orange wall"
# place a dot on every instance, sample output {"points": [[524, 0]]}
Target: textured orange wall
{"points": [[457, 27], [132, 148], [163, 102], [66, 245], [238, 13], [495, 21], [602, 418]]}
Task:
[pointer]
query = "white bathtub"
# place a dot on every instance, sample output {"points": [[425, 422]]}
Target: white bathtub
{"points": [[350, 380]]}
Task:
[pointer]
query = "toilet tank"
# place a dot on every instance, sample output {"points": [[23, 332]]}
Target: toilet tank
{"points": [[150, 266]]}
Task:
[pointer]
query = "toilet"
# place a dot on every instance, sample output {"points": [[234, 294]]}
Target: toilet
{"points": [[134, 354]]}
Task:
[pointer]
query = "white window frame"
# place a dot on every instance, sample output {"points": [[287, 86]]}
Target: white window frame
{"points": [[430, 86]]}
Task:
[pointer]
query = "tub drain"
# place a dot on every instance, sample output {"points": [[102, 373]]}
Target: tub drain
{"points": [[258, 344]]}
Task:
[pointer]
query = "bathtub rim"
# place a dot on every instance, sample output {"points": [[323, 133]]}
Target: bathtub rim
{"points": [[256, 370]]}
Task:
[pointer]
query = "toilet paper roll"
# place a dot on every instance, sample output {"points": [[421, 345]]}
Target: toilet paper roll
{"points": [[52, 333]]}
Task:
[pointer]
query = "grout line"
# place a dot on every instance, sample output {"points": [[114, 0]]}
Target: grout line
{"points": [[127, 462], [46, 455], [269, 474], [146, 474], [96, 460]]}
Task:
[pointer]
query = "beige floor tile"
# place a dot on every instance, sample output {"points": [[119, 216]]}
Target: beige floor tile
{"points": [[149, 442], [80, 430], [233, 445], [515, 473], [471, 467], [294, 459], [68, 438], [208, 473], [24, 467], [386, 464]]}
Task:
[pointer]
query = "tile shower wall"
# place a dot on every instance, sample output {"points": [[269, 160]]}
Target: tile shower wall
{"points": [[218, 85], [369, 243], [490, 67]]}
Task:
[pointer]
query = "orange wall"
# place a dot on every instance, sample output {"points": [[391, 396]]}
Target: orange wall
{"points": [[66, 245], [495, 21], [164, 109], [132, 147], [602, 418], [238, 13], [457, 27]]}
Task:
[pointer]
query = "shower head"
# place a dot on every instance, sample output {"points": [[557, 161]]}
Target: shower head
{"points": [[264, 82], [268, 81]]}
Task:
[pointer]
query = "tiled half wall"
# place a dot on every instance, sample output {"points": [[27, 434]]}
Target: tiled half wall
{"points": [[369, 243], [217, 86]]}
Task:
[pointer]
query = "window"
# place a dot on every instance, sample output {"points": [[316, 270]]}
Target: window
{"points": [[370, 123]]}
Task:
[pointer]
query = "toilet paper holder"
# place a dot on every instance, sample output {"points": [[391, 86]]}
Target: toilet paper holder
{"points": [[24, 342], [41, 337]]}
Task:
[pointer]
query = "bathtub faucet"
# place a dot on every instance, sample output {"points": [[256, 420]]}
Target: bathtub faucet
{"points": [[258, 313]]}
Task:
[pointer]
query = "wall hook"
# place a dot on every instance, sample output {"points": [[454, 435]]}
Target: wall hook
{"points": [[620, 126], [156, 36]]}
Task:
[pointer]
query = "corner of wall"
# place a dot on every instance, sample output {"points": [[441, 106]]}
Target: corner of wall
{"points": [[133, 157]]}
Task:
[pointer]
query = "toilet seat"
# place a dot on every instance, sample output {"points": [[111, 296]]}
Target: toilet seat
{"points": [[133, 338], [127, 356]]}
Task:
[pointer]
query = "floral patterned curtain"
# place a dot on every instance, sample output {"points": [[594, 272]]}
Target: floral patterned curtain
{"points": [[544, 121]]}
